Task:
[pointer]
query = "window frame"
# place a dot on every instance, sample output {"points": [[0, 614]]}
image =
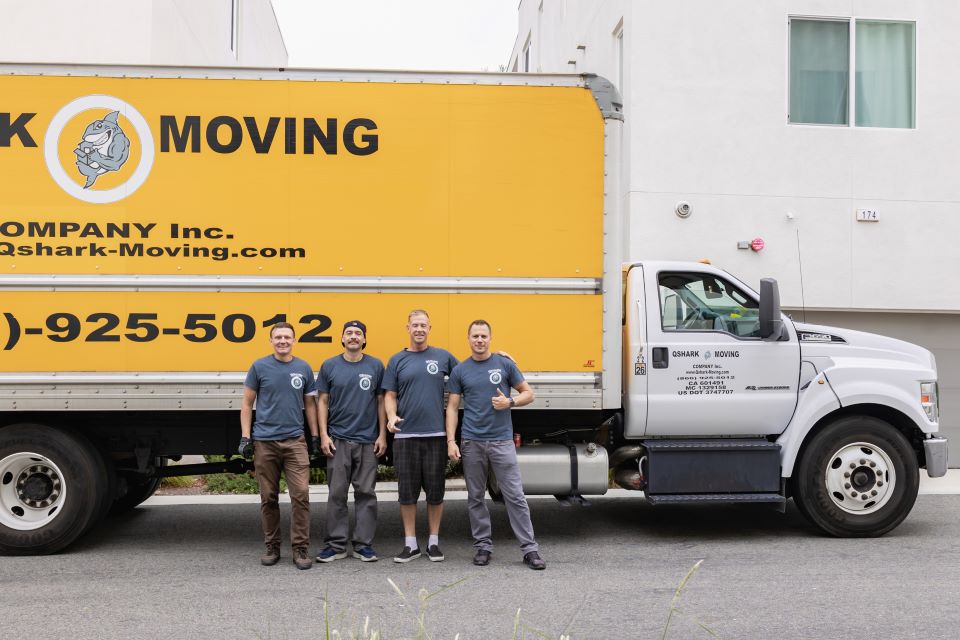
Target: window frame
{"points": [[852, 69], [727, 280]]}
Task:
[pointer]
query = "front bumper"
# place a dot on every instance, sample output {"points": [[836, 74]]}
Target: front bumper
{"points": [[935, 453]]}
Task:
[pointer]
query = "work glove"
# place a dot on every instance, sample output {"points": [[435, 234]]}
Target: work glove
{"points": [[246, 448], [314, 446]]}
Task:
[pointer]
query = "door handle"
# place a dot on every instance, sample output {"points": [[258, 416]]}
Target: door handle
{"points": [[661, 357]]}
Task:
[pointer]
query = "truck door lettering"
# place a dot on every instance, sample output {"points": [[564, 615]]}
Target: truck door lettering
{"points": [[16, 128]]}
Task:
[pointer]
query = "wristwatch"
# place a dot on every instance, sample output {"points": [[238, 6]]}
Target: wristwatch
{"points": [[513, 402]]}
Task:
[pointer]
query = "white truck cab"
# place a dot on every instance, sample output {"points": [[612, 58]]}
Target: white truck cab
{"points": [[732, 401]]}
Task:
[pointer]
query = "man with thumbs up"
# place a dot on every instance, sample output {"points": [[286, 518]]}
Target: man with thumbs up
{"points": [[484, 381]]}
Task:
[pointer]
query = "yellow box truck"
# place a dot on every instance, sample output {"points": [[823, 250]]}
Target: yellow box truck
{"points": [[156, 222]]}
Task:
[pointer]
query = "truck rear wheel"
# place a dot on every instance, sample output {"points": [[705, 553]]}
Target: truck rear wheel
{"points": [[858, 477], [52, 488]]}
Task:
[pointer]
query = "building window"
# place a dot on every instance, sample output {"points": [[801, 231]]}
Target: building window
{"points": [[618, 55], [886, 74], [525, 56], [884, 60]]}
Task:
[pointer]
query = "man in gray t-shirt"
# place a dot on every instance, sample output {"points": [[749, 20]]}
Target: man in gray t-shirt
{"points": [[282, 386], [353, 435], [484, 381], [413, 397]]}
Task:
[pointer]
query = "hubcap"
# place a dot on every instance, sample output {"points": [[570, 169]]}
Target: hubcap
{"points": [[32, 491], [860, 478]]}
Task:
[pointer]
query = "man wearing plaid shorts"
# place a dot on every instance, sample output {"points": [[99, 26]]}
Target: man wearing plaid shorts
{"points": [[413, 385]]}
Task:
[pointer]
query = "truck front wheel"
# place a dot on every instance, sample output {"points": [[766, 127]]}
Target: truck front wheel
{"points": [[52, 486], [858, 477]]}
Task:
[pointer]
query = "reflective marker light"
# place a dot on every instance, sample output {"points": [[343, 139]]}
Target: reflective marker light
{"points": [[929, 400]]}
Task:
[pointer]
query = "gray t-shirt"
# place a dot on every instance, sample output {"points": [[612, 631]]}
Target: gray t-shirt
{"points": [[477, 382], [353, 389], [280, 388], [418, 378]]}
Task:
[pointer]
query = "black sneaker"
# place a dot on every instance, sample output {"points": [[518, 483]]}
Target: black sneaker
{"points": [[434, 553], [407, 555], [534, 561], [272, 556], [482, 558]]}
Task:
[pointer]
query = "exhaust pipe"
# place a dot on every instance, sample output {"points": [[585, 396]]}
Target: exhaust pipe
{"points": [[630, 452], [628, 464]]}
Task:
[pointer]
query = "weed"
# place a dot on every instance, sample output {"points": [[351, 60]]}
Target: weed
{"points": [[676, 598]]}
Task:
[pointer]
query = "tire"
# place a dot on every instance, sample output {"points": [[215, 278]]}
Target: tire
{"points": [[137, 492], [53, 485], [857, 478]]}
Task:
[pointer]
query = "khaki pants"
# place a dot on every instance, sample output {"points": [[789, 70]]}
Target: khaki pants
{"points": [[290, 456]]}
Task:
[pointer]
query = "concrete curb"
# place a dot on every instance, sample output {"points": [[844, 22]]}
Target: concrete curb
{"points": [[456, 490]]}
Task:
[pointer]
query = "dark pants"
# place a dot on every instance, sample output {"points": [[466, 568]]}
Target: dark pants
{"points": [[500, 457], [352, 463], [290, 456]]}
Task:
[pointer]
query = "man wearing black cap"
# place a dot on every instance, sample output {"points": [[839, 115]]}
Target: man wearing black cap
{"points": [[352, 436]]}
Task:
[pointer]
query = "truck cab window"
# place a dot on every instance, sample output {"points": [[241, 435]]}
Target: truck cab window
{"points": [[704, 302]]}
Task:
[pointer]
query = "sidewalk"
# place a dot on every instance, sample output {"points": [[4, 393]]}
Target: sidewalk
{"points": [[456, 490]]}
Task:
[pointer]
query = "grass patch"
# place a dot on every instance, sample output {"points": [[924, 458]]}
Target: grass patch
{"points": [[178, 482]]}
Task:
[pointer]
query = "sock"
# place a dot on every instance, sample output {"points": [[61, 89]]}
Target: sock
{"points": [[410, 542], [434, 540]]}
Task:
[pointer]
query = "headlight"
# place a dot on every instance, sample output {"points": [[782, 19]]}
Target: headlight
{"points": [[930, 401]]}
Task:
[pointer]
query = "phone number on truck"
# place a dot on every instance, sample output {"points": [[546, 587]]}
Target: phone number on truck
{"points": [[144, 327]]}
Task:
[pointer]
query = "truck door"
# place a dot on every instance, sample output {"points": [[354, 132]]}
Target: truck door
{"points": [[709, 373]]}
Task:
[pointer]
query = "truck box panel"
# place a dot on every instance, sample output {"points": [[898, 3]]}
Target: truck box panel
{"points": [[45, 331], [465, 180]]}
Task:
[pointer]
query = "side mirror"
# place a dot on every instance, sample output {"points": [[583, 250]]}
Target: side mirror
{"points": [[771, 320]]}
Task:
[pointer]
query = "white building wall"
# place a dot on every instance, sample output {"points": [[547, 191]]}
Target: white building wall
{"points": [[157, 32], [706, 95], [706, 106]]}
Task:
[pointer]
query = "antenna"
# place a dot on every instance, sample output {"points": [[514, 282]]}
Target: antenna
{"points": [[803, 301]]}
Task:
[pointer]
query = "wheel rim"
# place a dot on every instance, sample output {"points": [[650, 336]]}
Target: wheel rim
{"points": [[32, 491], [860, 478]]}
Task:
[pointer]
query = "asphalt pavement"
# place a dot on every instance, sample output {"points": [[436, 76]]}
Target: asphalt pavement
{"points": [[192, 570]]}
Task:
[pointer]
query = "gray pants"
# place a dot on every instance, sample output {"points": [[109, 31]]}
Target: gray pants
{"points": [[356, 464], [501, 458]]}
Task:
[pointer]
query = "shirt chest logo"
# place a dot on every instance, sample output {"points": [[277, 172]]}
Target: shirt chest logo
{"points": [[433, 367], [296, 380], [366, 381], [496, 377]]}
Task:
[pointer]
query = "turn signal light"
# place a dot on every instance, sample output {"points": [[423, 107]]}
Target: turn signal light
{"points": [[929, 400]]}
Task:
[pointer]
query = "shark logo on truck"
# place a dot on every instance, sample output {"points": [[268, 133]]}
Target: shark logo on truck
{"points": [[104, 147], [113, 157]]}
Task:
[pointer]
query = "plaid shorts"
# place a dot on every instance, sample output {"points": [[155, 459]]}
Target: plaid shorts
{"points": [[420, 463]]}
